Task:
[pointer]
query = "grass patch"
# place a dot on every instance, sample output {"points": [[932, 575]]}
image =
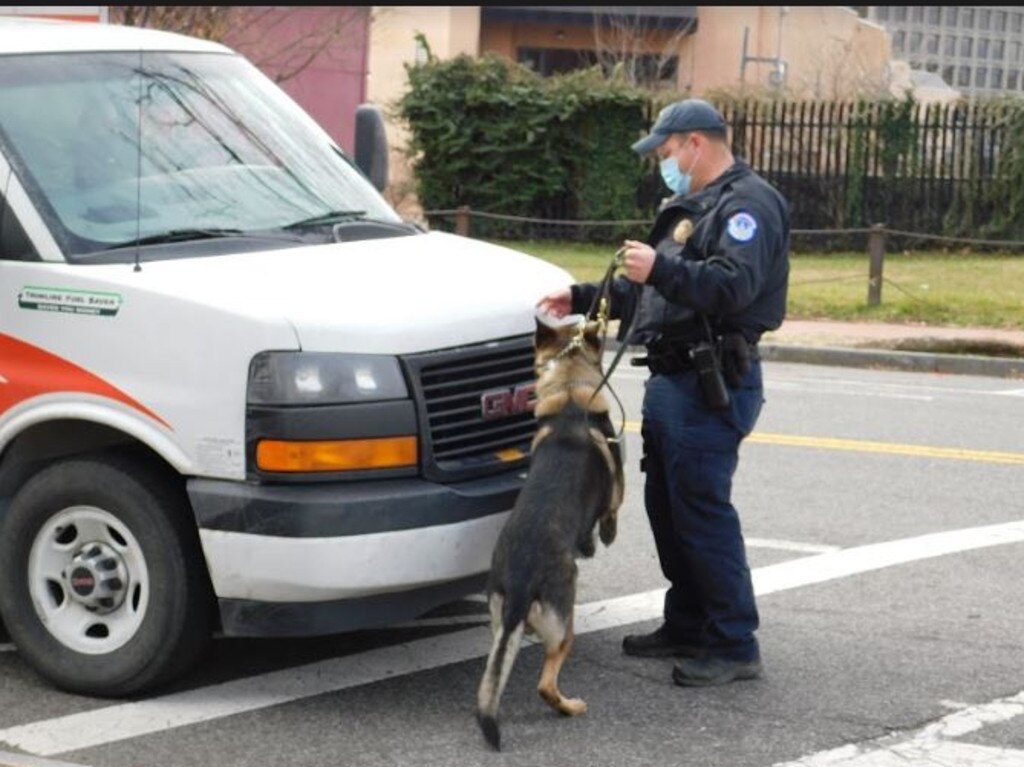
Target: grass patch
{"points": [[934, 288]]}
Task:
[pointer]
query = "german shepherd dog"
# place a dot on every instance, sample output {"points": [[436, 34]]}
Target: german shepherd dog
{"points": [[574, 483]]}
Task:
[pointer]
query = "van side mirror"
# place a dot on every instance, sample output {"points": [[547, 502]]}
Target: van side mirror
{"points": [[372, 145]]}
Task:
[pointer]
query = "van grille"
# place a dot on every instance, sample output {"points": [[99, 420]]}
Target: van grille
{"points": [[449, 387]]}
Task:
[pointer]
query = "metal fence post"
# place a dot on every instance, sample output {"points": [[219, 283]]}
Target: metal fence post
{"points": [[876, 254], [462, 220]]}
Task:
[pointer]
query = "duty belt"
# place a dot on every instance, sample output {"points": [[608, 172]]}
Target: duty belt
{"points": [[666, 360], [667, 357]]}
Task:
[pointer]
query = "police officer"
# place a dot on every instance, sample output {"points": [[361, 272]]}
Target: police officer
{"points": [[709, 280]]}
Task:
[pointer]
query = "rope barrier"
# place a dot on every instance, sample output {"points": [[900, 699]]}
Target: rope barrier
{"points": [[805, 232], [840, 278], [956, 240], [793, 232], [530, 220]]}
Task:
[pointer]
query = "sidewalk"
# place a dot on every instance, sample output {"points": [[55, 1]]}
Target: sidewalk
{"points": [[881, 345]]}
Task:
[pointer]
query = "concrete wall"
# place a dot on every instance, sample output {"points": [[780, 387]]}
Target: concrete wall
{"points": [[449, 31], [829, 52]]}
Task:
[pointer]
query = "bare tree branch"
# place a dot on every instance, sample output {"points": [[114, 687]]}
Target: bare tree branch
{"points": [[631, 45], [283, 55]]}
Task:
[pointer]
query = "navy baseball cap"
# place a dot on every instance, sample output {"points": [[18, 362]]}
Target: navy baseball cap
{"points": [[680, 117]]}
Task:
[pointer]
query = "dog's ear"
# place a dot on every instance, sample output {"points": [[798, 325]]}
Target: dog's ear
{"points": [[544, 336]]}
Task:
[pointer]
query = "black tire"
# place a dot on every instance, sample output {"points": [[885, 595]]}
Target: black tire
{"points": [[163, 622]]}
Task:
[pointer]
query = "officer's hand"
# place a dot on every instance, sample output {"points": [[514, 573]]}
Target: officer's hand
{"points": [[557, 303], [637, 261]]}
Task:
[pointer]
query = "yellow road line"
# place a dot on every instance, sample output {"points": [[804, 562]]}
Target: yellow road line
{"points": [[887, 448]]}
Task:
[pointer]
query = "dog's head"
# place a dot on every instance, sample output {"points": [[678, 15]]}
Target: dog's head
{"points": [[568, 365], [571, 343]]}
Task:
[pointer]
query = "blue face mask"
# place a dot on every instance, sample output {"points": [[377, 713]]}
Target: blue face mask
{"points": [[674, 178]]}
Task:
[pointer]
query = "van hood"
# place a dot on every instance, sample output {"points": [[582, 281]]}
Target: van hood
{"points": [[386, 296]]}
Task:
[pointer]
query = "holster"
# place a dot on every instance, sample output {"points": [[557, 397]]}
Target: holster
{"points": [[706, 359], [737, 357]]}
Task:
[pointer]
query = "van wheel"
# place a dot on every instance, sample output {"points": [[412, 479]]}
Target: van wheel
{"points": [[103, 588]]}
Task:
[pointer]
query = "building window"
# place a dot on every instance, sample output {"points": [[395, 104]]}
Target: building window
{"points": [[900, 13], [933, 44], [882, 12], [947, 73], [1018, 22], [998, 49], [648, 69], [980, 75], [1015, 52], [1012, 79], [968, 18], [934, 14], [915, 42], [966, 46], [950, 46], [984, 18], [932, 66], [983, 48], [917, 13], [552, 61], [898, 39], [1000, 21], [997, 78], [963, 77], [951, 15]]}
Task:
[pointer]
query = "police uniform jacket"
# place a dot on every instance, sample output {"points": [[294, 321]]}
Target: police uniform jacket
{"points": [[722, 251]]}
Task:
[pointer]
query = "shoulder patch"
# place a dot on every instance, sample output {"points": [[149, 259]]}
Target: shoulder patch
{"points": [[742, 227]]}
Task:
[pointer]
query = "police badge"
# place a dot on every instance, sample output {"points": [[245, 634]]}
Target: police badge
{"points": [[683, 231]]}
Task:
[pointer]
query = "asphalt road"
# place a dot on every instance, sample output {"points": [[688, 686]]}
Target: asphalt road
{"points": [[884, 517]]}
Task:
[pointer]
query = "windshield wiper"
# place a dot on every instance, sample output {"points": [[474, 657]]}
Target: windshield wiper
{"points": [[189, 235], [330, 217], [178, 235]]}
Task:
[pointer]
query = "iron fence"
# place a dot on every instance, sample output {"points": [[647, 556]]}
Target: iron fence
{"points": [[850, 163]]}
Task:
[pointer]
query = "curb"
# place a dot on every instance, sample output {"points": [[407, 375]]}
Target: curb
{"points": [[915, 362]]}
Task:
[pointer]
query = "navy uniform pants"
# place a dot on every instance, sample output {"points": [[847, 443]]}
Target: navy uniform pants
{"points": [[690, 456]]}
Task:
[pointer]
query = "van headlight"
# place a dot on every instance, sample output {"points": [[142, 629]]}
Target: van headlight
{"points": [[323, 378]]}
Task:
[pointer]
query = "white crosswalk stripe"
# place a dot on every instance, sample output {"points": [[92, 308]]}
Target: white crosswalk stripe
{"points": [[930, 746]]}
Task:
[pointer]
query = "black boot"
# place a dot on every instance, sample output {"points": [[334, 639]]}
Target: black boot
{"points": [[709, 671], [658, 644]]}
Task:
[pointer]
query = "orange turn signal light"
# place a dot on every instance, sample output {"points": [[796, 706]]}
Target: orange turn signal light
{"points": [[336, 455]]}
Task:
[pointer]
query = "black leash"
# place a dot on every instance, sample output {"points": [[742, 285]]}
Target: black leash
{"points": [[598, 312]]}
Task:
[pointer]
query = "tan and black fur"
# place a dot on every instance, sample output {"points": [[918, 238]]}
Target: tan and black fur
{"points": [[574, 484]]}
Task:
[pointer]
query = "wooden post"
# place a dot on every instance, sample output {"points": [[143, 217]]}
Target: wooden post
{"points": [[462, 220], [876, 254]]}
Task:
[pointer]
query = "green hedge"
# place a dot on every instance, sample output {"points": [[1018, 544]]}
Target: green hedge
{"points": [[495, 136], [492, 134]]}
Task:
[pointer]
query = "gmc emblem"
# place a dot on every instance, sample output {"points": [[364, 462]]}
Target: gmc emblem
{"points": [[507, 402]]}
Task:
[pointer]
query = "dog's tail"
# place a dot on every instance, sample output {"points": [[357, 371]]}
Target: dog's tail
{"points": [[508, 634]]}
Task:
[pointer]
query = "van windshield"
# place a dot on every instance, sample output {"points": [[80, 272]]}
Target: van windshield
{"points": [[116, 149]]}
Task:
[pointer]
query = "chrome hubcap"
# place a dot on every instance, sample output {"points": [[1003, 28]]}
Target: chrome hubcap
{"points": [[96, 578], [88, 580]]}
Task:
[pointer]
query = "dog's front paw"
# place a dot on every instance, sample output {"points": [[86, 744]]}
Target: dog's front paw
{"points": [[572, 706], [607, 529], [586, 545]]}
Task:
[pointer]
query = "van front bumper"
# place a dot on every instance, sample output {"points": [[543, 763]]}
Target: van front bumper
{"points": [[302, 560]]}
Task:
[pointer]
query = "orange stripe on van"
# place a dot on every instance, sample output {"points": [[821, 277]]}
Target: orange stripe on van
{"points": [[27, 371]]}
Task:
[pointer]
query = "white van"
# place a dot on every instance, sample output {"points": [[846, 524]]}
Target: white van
{"points": [[237, 392]]}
